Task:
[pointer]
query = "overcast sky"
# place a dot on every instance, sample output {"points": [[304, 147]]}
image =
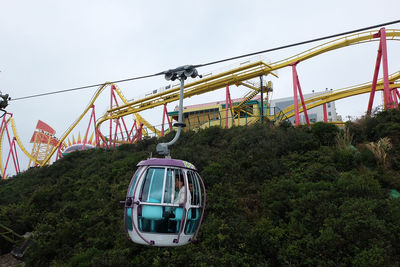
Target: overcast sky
{"points": [[54, 45]]}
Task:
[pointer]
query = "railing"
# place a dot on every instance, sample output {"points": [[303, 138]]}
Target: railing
{"points": [[9, 234]]}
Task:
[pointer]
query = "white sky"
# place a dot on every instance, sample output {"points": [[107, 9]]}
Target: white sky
{"points": [[54, 45]]}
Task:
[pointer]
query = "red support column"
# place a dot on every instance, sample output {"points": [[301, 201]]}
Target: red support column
{"points": [[111, 105], [16, 163], [126, 130], [325, 113], [105, 144], [386, 89], [118, 125], [6, 165], [228, 102], [165, 114], [13, 148], [92, 115], [58, 156], [381, 56], [374, 80], [395, 94], [130, 133], [302, 100], [296, 86], [140, 132], [295, 97], [3, 124]]}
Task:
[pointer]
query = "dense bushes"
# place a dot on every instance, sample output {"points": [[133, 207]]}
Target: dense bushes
{"points": [[275, 196]]}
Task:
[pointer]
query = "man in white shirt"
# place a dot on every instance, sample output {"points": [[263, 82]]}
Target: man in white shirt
{"points": [[180, 199]]}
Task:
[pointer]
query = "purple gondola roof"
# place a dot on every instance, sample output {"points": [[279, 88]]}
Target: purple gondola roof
{"points": [[167, 162]]}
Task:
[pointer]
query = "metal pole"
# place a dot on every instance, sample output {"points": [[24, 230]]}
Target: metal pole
{"points": [[180, 73], [162, 148], [262, 102]]}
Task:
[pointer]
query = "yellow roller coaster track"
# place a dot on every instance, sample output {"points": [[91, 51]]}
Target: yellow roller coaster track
{"points": [[232, 77], [73, 125], [238, 75], [138, 118], [330, 96]]}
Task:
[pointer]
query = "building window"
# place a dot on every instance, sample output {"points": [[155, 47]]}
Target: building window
{"points": [[329, 113], [329, 105]]}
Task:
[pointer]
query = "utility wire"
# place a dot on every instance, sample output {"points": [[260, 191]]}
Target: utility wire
{"points": [[86, 87], [300, 43], [217, 61]]}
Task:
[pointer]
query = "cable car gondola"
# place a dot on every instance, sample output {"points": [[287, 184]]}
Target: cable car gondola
{"points": [[166, 198], [165, 203]]}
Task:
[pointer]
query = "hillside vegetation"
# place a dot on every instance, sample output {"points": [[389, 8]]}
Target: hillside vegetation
{"points": [[276, 195]]}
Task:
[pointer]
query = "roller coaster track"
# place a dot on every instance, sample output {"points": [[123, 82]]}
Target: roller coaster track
{"points": [[66, 133], [17, 139], [330, 96], [234, 76], [238, 75], [89, 106], [139, 118]]}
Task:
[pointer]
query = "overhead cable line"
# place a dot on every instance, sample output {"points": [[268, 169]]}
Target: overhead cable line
{"points": [[297, 44], [217, 61], [87, 86]]}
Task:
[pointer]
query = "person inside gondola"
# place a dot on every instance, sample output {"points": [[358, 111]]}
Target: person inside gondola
{"points": [[180, 198], [191, 192]]}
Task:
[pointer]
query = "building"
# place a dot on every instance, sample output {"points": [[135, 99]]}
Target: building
{"points": [[247, 112], [314, 114]]}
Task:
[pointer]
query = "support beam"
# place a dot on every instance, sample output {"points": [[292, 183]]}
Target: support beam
{"points": [[296, 87], [165, 114], [228, 102], [295, 97], [13, 149], [374, 80], [396, 98], [325, 113], [92, 118], [386, 89], [381, 56], [262, 101]]}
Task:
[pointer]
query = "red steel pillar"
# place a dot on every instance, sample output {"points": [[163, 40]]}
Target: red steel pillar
{"points": [[296, 86], [93, 115], [381, 56], [395, 100], [325, 113], [134, 126], [228, 102], [396, 97], [59, 153], [386, 89], [165, 114], [13, 148], [111, 106]]}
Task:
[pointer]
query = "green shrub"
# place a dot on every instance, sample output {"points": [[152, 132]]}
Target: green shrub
{"points": [[325, 132], [276, 196]]}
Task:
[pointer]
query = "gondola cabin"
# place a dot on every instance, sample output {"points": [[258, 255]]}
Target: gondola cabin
{"points": [[165, 203], [76, 147]]}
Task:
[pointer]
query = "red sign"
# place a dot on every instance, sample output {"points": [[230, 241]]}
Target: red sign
{"points": [[43, 138], [45, 127]]}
